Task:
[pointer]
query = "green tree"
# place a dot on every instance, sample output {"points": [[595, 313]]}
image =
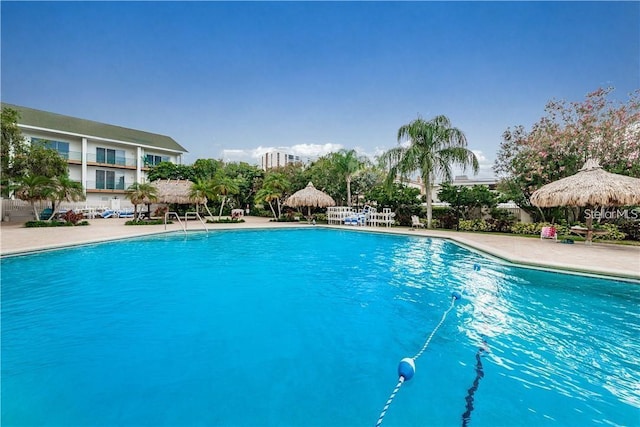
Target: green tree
{"points": [[322, 173], [247, 177], [205, 169], [274, 187], [33, 188], [168, 170], [203, 190], [139, 193], [224, 186], [468, 200], [559, 144], [20, 158], [346, 163], [12, 146], [433, 147], [394, 197], [44, 161], [63, 189]]}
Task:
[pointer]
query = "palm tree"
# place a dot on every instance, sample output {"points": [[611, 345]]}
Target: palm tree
{"points": [[202, 190], [33, 188], [433, 147], [347, 164], [65, 189], [224, 186], [139, 193], [275, 185]]}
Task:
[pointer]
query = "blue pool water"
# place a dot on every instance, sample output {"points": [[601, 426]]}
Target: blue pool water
{"points": [[306, 327]]}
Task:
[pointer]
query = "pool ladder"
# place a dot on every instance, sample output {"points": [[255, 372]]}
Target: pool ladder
{"points": [[186, 217]]}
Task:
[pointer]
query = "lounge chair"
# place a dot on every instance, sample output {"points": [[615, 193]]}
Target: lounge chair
{"points": [[46, 213], [108, 213], [415, 222], [125, 214], [549, 233]]}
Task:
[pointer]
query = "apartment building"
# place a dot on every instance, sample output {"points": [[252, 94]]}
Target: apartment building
{"points": [[105, 158], [277, 159]]}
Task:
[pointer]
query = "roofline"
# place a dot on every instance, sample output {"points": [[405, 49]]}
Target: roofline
{"points": [[132, 142], [99, 138]]}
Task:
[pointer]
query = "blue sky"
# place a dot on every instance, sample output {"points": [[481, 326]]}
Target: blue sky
{"points": [[231, 79]]}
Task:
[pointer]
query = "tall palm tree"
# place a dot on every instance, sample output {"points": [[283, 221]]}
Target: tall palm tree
{"points": [[139, 193], [274, 187], [202, 190], [33, 188], [65, 189], [224, 186], [347, 164], [433, 147]]}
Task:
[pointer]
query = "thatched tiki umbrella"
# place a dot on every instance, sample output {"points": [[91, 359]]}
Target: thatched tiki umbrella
{"points": [[590, 187], [176, 191], [309, 197]]}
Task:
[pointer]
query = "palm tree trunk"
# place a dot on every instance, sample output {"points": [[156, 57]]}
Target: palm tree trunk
{"points": [[35, 211], [208, 211], [279, 208], [53, 210], [428, 190], [221, 206], [349, 190], [273, 211]]}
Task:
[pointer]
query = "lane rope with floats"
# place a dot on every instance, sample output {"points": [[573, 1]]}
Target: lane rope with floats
{"points": [[407, 366]]}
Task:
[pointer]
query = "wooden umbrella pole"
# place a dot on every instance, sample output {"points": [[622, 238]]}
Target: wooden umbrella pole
{"points": [[590, 227]]}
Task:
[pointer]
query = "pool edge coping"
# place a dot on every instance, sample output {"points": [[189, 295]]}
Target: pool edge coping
{"points": [[460, 241], [512, 261]]}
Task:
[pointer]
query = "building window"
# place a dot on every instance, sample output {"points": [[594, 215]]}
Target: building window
{"points": [[110, 157], [109, 180], [153, 160], [61, 147]]}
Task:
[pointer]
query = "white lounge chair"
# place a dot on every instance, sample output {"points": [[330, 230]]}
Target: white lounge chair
{"points": [[415, 222]]}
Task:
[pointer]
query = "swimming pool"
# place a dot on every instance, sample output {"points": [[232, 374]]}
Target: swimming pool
{"points": [[306, 327]]}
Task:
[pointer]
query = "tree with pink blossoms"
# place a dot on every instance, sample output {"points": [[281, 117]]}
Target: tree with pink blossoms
{"points": [[560, 143]]}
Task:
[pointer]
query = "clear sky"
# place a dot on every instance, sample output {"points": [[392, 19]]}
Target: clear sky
{"points": [[231, 79]]}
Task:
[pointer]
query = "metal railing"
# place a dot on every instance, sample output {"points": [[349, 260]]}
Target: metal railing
{"points": [[175, 214], [195, 215]]}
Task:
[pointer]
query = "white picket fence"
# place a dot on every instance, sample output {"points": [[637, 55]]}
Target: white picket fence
{"points": [[19, 210]]}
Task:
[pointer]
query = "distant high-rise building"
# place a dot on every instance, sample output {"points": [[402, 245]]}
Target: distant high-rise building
{"points": [[277, 159]]}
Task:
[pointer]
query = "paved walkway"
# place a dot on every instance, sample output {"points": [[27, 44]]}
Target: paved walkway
{"points": [[613, 260]]}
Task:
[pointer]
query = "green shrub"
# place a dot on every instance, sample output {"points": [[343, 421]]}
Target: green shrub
{"points": [[473, 225], [320, 217], [39, 224], [613, 233], [148, 222], [631, 229], [523, 228], [224, 221]]}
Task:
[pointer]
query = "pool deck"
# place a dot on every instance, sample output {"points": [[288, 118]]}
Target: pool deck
{"points": [[619, 261]]}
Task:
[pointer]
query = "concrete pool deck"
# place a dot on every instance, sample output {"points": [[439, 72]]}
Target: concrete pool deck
{"points": [[619, 261]]}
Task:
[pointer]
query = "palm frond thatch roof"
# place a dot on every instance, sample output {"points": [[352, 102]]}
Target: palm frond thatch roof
{"points": [[175, 191], [591, 186], [311, 197]]}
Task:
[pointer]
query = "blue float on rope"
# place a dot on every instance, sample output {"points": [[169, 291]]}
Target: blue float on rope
{"points": [[476, 267], [406, 368], [456, 295]]}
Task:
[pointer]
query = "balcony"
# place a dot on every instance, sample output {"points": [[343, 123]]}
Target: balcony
{"points": [[73, 157], [107, 187], [112, 162]]}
